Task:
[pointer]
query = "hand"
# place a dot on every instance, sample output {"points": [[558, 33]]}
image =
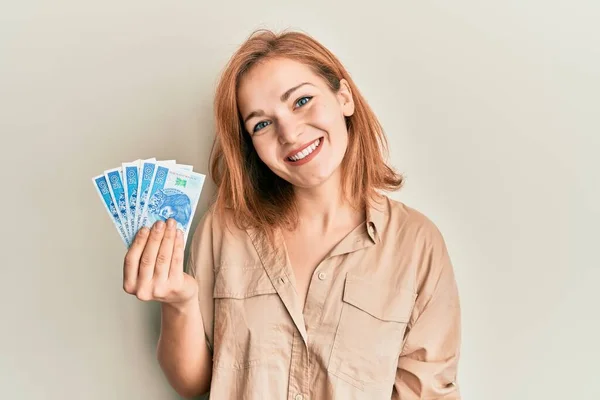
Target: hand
{"points": [[153, 266]]}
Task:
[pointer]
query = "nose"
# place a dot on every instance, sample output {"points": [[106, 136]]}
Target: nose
{"points": [[288, 130]]}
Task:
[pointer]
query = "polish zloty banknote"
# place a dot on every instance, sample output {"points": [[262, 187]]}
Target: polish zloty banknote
{"points": [[130, 183], [147, 169], [102, 188], [174, 194], [117, 191], [146, 177]]}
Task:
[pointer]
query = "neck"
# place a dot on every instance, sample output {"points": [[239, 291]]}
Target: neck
{"points": [[324, 208]]}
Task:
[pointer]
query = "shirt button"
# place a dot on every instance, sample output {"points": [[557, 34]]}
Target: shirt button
{"points": [[322, 276], [299, 397]]}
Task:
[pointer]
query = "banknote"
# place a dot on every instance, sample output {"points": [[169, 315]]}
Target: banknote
{"points": [[174, 193], [117, 191], [147, 169], [130, 172], [147, 174], [101, 185], [139, 193]]}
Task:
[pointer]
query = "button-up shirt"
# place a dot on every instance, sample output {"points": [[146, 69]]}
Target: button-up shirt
{"points": [[381, 318]]}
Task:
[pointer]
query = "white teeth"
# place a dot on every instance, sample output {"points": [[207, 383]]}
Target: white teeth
{"points": [[301, 154]]}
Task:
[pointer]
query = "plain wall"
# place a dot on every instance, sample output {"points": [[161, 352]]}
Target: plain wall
{"points": [[491, 109]]}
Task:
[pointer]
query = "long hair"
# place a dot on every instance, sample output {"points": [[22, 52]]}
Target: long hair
{"points": [[259, 198]]}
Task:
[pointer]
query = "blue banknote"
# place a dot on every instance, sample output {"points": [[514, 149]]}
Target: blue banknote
{"points": [[174, 194], [130, 181], [115, 186], [102, 188], [145, 178], [147, 170]]}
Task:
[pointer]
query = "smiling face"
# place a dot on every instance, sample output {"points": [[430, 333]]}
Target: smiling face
{"points": [[296, 121]]}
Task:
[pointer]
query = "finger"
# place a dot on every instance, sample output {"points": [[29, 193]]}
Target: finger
{"points": [[163, 260], [131, 263], [149, 254], [177, 258]]}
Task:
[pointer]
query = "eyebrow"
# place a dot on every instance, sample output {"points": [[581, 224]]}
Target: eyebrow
{"points": [[284, 97]]}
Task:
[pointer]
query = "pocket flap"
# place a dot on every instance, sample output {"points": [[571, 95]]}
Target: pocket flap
{"points": [[242, 282], [378, 299]]}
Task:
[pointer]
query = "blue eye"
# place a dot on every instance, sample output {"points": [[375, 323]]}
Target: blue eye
{"points": [[260, 125], [302, 101]]}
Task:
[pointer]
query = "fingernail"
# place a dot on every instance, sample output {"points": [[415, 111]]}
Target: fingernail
{"points": [[179, 234], [170, 223], [159, 226]]}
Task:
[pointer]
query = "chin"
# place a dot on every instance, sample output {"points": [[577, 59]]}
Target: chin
{"points": [[313, 181], [309, 176]]}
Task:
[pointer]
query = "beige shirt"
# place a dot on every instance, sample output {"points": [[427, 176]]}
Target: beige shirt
{"points": [[381, 318]]}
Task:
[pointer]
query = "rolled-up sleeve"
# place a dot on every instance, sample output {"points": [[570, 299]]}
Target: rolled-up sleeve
{"points": [[427, 366]]}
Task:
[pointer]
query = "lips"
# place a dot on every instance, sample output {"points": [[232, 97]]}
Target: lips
{"points": [[304, 153], [298, 151]]}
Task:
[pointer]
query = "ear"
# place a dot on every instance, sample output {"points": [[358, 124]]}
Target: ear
{"points": [[345, 98]]}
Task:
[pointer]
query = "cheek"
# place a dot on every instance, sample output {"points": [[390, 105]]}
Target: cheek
{"points": [[266, 150], [327, 117]]}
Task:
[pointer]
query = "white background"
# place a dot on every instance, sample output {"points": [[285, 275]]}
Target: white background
{"points": [[491, 109]]}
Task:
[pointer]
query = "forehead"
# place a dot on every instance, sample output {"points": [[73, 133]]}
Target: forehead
{"points": [[269, 79]]}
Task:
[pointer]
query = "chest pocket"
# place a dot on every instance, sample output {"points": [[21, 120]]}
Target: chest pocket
{"points": [[371, 331], [245, 326]]}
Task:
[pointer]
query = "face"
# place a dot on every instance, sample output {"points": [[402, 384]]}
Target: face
{"points": [[296, 122]]}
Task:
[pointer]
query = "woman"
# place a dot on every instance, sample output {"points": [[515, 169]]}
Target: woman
{"points": [[305, 281]]}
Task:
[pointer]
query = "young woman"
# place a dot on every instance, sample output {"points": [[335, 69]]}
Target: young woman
{"points": [[305, 281]]}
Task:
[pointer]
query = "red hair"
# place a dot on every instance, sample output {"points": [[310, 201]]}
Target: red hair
{"points": [[258, 197]]}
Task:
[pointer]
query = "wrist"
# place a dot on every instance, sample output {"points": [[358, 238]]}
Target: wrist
{"points": [[184, 306]]}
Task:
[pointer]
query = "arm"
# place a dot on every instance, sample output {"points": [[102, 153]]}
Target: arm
{"points": [[184, 350], [427, 366]]}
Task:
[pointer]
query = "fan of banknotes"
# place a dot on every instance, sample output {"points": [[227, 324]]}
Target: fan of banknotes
{"points": [[141, 192]]}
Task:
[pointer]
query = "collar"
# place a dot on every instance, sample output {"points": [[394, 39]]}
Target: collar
{"points": [[375, 213]]}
